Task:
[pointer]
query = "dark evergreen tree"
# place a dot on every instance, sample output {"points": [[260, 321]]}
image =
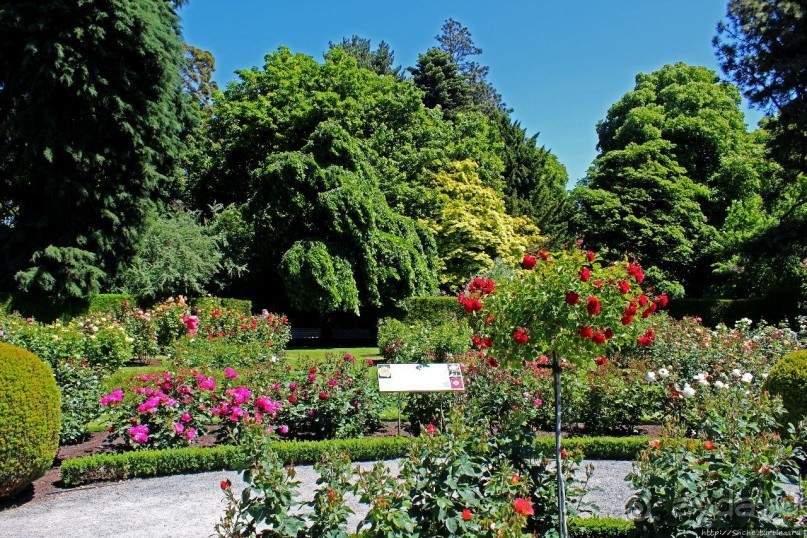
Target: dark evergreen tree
{"points": [[439, 77], [380, 61], [90, 118]]}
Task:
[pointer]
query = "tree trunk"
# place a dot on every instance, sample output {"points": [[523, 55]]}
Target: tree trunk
{"points": [[558, 460]]}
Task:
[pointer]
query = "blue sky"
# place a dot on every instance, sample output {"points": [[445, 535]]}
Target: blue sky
{"points": [[558, 64]]}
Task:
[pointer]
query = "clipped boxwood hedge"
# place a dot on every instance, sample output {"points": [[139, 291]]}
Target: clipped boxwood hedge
{"points": [[48, 309], [208, 304], [788, 379], [101, 467], [29, 419], [601, 527], [433, 309], [729, 311]]}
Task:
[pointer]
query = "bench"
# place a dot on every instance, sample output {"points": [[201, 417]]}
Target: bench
{"points": [[306, 333], [360, 335]]}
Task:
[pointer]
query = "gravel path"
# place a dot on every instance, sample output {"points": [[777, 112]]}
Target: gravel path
{"points": [[190, 505]]}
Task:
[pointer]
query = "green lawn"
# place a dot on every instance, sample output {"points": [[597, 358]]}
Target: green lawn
{"points": [[319, 354]]}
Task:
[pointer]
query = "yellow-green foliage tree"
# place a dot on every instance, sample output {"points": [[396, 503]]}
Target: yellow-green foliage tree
{"points": [[472, 226]]}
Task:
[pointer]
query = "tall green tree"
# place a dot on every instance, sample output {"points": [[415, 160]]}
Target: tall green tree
{"points": [[299, 147], [439, 77], [674, 155], [197, 77], [456, 41], [90, 118], [380, 61], [535, 183], [762, 46]]}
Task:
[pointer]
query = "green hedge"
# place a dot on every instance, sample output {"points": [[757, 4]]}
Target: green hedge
{"points": [[208, 304], [432, 309], [601, 527], [728, 311], [100, 467], [602, 448], [47, 309]]}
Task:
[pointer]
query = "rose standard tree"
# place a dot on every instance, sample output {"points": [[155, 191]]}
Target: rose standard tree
{"points": [[564, 308]]}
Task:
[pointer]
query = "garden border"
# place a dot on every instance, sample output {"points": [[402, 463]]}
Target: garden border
{"points": [[172, 461]]}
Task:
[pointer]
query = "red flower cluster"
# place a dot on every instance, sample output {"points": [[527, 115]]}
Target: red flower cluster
{"points": [[466, 514], [528, 262], [593, 306], [585, 274], [647, 338], [600, 361], [470, 304], [572, 298], [624, 286], [482, 343], [544, 255], [636, 272], [662, 300], [523, 506], [590, 255], [482, 285], [521, 336]]}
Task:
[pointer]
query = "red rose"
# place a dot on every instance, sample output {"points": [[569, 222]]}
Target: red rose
{"points": [[225, 484], [521, 336], [528, 262], [523, 506], [593, 306], [572, 298], [323, 395], [430, 428], [293, 399], [650, 309], [636, 272], [662, 300], [544, 255], [609, 333], [647, 338], [599, 361], [598, 338], [597, 283], [586, 332], [654, 443], [515, 479], [624, 286], [643, 300], [492, 362], [476, 340], [312, 370], [370, 362], [487, 342], [590, 254], [585, 274], [627, 320], [631, 309], [563, 454], [466, 515], [708, 445]]}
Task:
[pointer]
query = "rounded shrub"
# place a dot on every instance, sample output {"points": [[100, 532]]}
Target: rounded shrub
{"points": [[29, 419], [788, 379]]}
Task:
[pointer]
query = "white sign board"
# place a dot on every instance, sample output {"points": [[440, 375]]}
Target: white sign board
{"points": [[420, 378]]}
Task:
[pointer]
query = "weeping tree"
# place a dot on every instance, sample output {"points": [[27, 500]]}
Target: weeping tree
{"points": [[563, 308], [90, 122]]}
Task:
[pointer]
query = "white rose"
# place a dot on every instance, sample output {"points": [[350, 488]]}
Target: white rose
{"points": [[719, 384], [273, 359], [688, 391], [703, 382], [651, 376], [747, 378], [736, 372], [663, 373]]}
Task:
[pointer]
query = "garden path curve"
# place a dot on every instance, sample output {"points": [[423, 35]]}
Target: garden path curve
{"points": [[190, 505]]}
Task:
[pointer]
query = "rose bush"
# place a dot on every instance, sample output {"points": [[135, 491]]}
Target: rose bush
{"points": [[729, 477]]}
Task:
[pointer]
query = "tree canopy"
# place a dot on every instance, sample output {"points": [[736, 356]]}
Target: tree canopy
{"points": [[674, 155], [90, 118]]}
